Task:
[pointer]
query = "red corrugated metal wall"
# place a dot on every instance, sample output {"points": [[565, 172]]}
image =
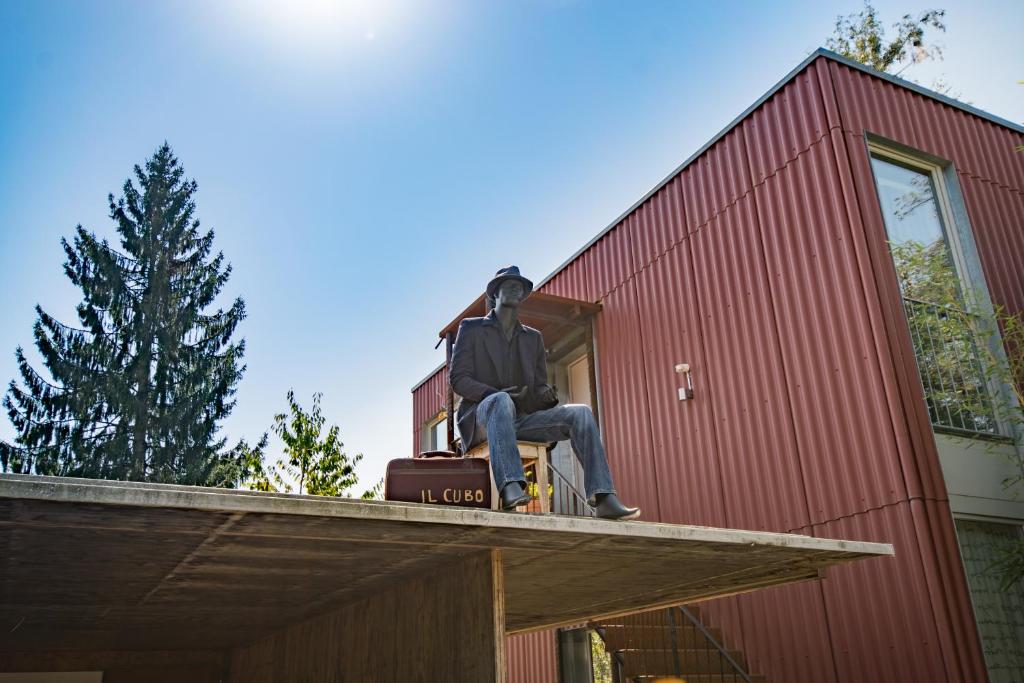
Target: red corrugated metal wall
{"points": [[428, 399], [763, 264], [991, 176], [532, 657]]}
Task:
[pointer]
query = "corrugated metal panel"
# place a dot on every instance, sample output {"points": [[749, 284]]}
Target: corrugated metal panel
{"points": [[911, 429], [966, 144], [983, 154], [885, 630], [978, 147], [570, 282], [428, 399], [891, 623], [783, 632], [683, 431], [715, 180], [939, 575], [608, 263], [657, 225], [532, 658], [947, 581], [725, 615], [786, 633], [786, 125], [1008, 163], [625, 417], [875, 105], [829, 104], [903, 394], [846, 444], [997, 216], [745, 380], [947, 132]]}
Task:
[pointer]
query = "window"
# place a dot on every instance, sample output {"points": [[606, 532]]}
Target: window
{"points": [[933, 272], [999, 611], [435, 437]]}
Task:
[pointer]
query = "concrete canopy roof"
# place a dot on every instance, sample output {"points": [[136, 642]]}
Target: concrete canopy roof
{"points": [[88, 564]]}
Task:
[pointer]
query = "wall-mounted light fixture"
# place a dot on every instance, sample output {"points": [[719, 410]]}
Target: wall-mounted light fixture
{"points": [[686, 392]]}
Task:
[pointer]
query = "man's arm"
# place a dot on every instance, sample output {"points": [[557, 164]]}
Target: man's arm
{"points": [[540, 370], [544, 394], [460, 375]]}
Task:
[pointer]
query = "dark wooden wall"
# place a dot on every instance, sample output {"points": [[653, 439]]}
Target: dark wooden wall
{"points": [[448, 626]]}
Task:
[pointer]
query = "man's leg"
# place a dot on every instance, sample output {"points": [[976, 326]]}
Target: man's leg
{"points": [[576, 423], [497, 415]]}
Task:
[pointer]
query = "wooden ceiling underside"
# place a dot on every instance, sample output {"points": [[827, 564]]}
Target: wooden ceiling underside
{"points": [[116, 566]]}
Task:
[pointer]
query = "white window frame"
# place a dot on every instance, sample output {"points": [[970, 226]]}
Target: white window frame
{"points": [[960, 238], [430, 428], [946, 216]]}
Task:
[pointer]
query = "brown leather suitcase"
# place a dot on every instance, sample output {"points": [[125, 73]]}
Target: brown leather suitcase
{"points": [[441, 481]]}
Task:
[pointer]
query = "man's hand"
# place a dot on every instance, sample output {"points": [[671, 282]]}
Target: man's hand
{"points": [[547, 397]]}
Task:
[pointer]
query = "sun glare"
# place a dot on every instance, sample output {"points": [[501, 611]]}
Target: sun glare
{"points": [[319, 29]]}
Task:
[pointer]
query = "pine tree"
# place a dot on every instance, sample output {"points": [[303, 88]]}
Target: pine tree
{"points": [[137, 390]]}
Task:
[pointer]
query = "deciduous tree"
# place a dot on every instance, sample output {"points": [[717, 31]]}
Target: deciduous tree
{"points": [[313, 460], [861, 37]]}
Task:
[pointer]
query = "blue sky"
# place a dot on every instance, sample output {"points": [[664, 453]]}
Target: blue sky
{"points": [[367, 166]]}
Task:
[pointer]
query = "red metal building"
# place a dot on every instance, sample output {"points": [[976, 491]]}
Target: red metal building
{"points": [[763, 262]]}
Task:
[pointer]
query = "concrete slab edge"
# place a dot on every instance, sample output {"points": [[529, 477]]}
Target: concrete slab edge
{"points": [[135, 494]]}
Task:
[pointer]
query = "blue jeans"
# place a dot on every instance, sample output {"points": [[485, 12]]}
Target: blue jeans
{"points": [[496, 415]]}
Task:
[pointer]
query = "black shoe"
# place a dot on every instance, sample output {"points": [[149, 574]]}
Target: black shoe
{"points": [[513, 495], [610, 507]]}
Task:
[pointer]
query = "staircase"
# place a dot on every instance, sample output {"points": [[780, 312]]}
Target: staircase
{"points": [[671, 643]]}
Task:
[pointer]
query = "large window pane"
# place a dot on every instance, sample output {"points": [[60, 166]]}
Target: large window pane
{"points": [[441, 435], [944, 334], [908, 202]]}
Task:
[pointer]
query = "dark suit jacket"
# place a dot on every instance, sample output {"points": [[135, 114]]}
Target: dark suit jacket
{"points": [[478, 364]]}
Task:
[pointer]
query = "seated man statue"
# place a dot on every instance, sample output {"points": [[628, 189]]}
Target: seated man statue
{"points": [[499, 368]]}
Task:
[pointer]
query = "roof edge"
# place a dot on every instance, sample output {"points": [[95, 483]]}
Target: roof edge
{"points": [[820, 52], [919, 89], [427, 378]]}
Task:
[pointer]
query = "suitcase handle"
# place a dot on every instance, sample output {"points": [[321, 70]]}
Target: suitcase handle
{"points": [[438, 454]]}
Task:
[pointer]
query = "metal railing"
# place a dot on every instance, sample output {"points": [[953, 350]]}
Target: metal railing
{"points": [[566, 499], [950, 365], [734, 667], [667, 643]]}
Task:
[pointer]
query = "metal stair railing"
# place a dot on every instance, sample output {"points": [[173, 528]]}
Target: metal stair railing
{"points": [[737, 670], [655, 644], [675, 642], [566, 499]]}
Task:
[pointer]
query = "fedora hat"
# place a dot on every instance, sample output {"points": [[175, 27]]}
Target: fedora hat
{"points": [[509, 273]]}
